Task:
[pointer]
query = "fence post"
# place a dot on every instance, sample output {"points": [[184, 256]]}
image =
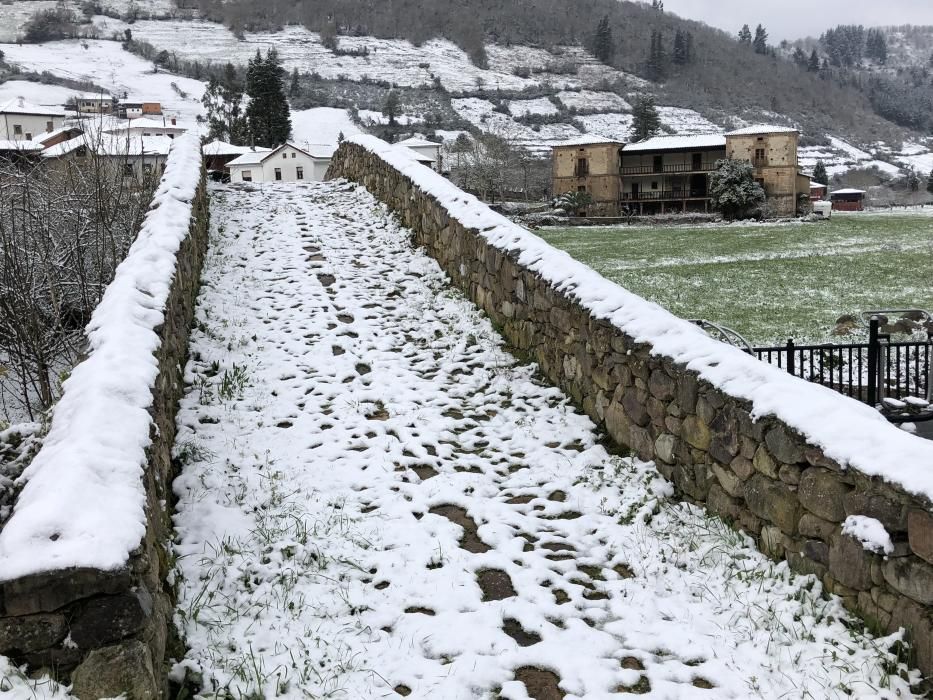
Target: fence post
{"points": [[873, 347], [790, 356]]}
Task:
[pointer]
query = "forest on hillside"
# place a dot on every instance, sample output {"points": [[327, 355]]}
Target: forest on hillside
{"points": [[720, 76]]}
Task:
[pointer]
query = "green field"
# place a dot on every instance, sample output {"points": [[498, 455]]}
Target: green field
{"points": [[769, 282]]}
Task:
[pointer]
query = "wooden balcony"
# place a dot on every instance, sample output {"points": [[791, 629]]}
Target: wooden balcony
{"points": [[664, 195], [672, 168]]}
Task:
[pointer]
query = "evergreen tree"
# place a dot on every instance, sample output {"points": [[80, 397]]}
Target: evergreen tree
{"points": [[603, 47], [800, 58], [733, 189], [760, 43], [223, 100], [913, 180], [745, 35], [658, 5], [294, 86], [819, 173], [390, 109], [930, 183], [268, 114], [341, 138], [645, 119], [656, 67], [680, 48], [813, 65], [876, 46]]}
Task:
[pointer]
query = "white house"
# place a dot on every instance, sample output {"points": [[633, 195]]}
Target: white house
{"points": [[144, 126], [287, 163], [429, 151], [24, 121]]}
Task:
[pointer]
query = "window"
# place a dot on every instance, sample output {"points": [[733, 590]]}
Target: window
{"points": [[278, 173], [171, 136], [659, 164], [294, 154], [50, 126], [581, 188], [583, 167], [247, 176], [17, 130], [299, 173], [284, 156], [28, 136], [654, 185], [147, 168], [146, 134], [128, 170]]}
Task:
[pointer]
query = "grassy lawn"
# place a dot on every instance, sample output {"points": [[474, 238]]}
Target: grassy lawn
{"points": [[769, 282]]}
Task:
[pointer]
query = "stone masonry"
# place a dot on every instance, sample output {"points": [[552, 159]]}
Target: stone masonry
{"points": [[107, 631], [760, 476]]}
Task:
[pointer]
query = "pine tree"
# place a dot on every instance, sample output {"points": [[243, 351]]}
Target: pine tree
{"points": [[656, 67], [800, 58], [913, 180], [745, 35], [680, 49], [813, 64], [268, 112], [658, 5], [603, 47], [223, 101], [819, 173], [645, 119], [390, 109], [294, 86], [760, 43], [930, 183]]}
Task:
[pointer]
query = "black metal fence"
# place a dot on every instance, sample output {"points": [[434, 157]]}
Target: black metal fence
{"points": [[869, 372]]}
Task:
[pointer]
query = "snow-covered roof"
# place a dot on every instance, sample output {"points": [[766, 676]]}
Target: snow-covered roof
{"points": [[817, 186], [222, 148], [104, 97], [257, 157], [143, 123], [589, 141], [670, 143], [25, 146], [848, 190], [415, 142], [763, 129], [46, 137], [420, 157], [113, 145], [19, 105]]}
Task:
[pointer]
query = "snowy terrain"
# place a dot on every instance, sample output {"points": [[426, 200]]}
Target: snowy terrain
{"points": [[107, 65], [376, 497], [321, 125]]}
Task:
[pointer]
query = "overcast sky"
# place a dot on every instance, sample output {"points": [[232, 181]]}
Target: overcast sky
{"points": [[795, 19]]}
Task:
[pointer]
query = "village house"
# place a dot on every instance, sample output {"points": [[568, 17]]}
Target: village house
{"points": [[94, 103], [848, 199], [139, 158], [818, 191], [132, 109], [429, 151], [218, 155], [668, 174], [145, 126], [21, 120], [287, 163]]}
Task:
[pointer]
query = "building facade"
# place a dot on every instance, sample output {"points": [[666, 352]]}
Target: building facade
{"points": [[287, 163], [591, 166], [21, 120], [671, 174]]}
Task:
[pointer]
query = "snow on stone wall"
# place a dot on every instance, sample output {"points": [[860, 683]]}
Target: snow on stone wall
{"points": [[784, 460], [80, 556]]}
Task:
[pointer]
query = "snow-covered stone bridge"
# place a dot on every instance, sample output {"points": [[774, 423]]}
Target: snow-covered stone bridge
{"points": [[378, 500]]}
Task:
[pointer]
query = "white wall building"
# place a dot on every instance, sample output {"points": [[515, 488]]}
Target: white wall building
{"points": [[137, 157], [24, 121], [144, 126], [429, 151], [287, 163]]}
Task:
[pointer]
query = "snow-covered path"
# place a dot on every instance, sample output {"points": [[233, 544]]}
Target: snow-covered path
{"points": [[377, 500]]}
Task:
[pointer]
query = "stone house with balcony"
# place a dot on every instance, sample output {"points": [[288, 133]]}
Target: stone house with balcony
{"points": [[670, 174]]}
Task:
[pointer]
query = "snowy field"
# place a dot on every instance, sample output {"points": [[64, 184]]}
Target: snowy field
{"points": [[14, 14], [106, 64], [377, 499]]}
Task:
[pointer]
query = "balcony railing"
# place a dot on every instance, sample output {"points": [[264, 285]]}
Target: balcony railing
{"points": [[667, 168], [663, 195]]}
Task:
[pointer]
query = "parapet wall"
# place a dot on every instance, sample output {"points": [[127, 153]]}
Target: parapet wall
{"points": [[82, 558], [784, 460]]}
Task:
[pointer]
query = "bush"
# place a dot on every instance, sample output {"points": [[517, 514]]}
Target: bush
{"points": [[49, 25], [734, 191]]}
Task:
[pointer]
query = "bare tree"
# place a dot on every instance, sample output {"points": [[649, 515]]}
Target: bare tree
{"points": [[64, 227]]}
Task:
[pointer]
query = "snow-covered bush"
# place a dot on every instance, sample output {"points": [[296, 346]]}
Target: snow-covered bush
{"points": [[733, 189]]}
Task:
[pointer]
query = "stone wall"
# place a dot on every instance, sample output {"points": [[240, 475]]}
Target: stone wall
{"points": [[107, 631], [760, 475]]}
